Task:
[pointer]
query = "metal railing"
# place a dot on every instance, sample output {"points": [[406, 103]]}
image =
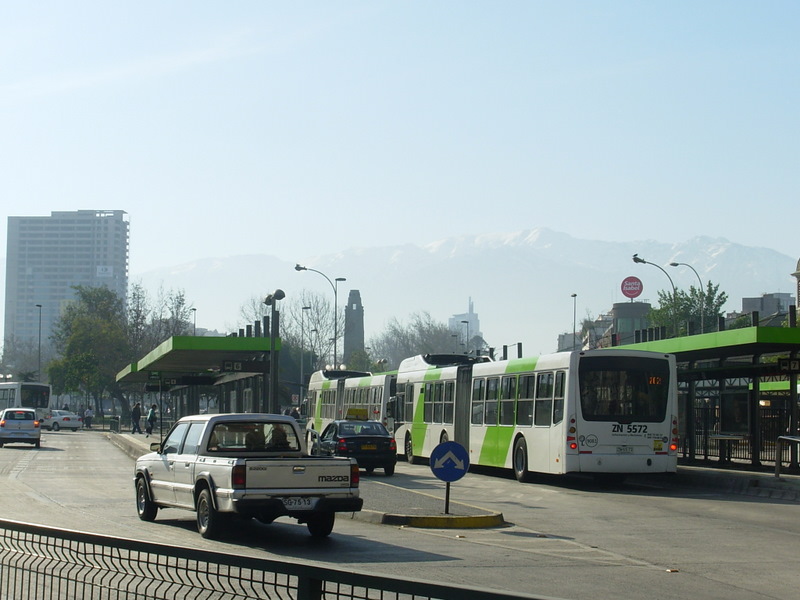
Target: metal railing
{"points": [[39, 562]]}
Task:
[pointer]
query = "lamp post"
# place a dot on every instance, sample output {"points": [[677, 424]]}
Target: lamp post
{"points": [[639, 260], [194, 317], [302, 350], [466, 339], [39, 370], [335, 286], [272, 300], [574, 319], [702, 292]]}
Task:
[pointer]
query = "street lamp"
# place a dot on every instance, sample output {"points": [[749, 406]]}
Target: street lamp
{"points": [[39, 371], [302, 349], [702, 292], [574, 315], [636, 259], [272, 301], [194, 315], [335, 286]]}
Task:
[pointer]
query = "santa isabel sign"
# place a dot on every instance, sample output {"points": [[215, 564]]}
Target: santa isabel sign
{"points": [[631, 287]]}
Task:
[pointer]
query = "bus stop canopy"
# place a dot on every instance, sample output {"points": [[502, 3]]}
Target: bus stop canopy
{"points": [[729, 353], [185, 358]]}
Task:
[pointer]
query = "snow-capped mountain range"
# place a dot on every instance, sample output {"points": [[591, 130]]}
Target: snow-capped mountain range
{"points": [[520, 284]]}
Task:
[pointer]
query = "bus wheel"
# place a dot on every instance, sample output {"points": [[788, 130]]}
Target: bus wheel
{"points": [[521, 460], [412, 460], [444, 438]]}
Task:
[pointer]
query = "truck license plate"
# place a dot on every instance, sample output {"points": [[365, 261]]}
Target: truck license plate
{"points": [[299, 503]]}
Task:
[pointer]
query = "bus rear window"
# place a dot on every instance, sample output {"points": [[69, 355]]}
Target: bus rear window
{"points": [[624, 389]]}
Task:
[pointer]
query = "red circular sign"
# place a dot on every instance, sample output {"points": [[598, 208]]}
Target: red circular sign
{"points": [[631, 287]]}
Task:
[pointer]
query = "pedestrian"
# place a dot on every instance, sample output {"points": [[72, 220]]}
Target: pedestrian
{"points": [[66, 407], [136, 417], [295, 414], [150, 421], [88, 415]]}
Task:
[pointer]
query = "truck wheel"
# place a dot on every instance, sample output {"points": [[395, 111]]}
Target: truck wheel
{"points": [[209, 521], [321, 525], [146, 508]]}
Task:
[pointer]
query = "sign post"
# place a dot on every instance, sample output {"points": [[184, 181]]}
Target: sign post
{"points": [[449, 462]]}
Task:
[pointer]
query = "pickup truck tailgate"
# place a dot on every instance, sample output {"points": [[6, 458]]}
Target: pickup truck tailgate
{"points": [[294, 473]]}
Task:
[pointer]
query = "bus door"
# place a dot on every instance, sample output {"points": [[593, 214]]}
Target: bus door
{"points": [[339, 410], [461, 412]]}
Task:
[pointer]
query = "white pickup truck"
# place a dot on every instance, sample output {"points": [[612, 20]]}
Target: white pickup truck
{"points": [[250, 465]]}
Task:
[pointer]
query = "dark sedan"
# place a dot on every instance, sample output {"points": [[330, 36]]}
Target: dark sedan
{"points": [[369, 442]]}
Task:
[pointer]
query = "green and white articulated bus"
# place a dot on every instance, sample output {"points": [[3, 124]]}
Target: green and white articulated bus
{"points": [[339, 394], [606, 411]]}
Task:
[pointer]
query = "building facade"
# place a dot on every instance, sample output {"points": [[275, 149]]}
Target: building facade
{"points": [[47, 256]]}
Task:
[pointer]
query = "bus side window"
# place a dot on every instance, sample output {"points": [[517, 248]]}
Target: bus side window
{"points": [[543, 406], [477, 401], [527, 385], [492, 397], [558, 400]]}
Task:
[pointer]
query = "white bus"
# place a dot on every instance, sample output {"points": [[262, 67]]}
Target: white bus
{"points": [[335, 394], [607, 411], [16, 394]]}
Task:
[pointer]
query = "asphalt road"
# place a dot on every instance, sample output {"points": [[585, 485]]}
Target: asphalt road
{"points": [[567, 538]]}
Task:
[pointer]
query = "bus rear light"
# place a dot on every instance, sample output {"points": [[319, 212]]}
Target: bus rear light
{"points": [[573, 446], [673, 447], [572, 429]]}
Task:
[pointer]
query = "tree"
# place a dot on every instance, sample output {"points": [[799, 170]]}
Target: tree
{"points": [[91, 338], [677, 311], [421, 336]]}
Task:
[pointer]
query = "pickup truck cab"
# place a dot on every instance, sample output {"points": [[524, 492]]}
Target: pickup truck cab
{"points": [[246, 465]]}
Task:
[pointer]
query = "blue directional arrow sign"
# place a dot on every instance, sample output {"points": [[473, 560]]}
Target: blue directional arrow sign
{"points": [[449, 461]]}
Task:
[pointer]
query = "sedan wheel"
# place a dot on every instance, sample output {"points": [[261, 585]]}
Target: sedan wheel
{"points": [[55, 427]]}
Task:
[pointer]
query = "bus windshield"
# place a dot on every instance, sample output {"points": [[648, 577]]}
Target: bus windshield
{"points": [[624, 389]]}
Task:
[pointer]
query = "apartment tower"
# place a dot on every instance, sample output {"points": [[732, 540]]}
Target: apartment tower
{"points": [[47, 256]]}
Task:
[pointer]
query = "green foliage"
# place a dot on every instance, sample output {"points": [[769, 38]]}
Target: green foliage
{"points": [[676, 311], [91, 338]]}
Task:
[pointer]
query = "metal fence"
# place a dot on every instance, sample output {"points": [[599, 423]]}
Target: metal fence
{"points": [[712, 443], [38, 563]]}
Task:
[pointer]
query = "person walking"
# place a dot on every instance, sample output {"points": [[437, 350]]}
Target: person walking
{"points": [[150, 421], [88, 415], [136, 418]]}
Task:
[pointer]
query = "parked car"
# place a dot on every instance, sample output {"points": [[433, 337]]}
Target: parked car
{"points": [[62, 419], [20, 425], [369, 442]]}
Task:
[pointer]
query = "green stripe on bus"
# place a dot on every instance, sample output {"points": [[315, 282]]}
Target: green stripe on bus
{"points": [[495, 446]]}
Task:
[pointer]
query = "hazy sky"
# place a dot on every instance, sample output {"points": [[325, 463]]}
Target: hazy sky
{"points": [[303, 128]]}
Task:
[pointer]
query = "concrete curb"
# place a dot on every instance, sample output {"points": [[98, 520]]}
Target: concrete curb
{"points": [[431, 521]]}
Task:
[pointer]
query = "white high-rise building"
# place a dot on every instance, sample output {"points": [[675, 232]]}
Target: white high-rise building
{"points": [[47, 256]]}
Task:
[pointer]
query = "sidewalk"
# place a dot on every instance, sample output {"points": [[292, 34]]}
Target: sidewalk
{"points": [[414, 508]]}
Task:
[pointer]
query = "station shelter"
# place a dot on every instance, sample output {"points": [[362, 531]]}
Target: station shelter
{"points": [[737, 393], [192, 375]]}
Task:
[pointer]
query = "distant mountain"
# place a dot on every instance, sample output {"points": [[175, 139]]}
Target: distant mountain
{"points": [[520, 283]]}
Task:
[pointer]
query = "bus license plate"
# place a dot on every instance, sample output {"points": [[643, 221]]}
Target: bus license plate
{"points": [[299, 503], [624, 449]]}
